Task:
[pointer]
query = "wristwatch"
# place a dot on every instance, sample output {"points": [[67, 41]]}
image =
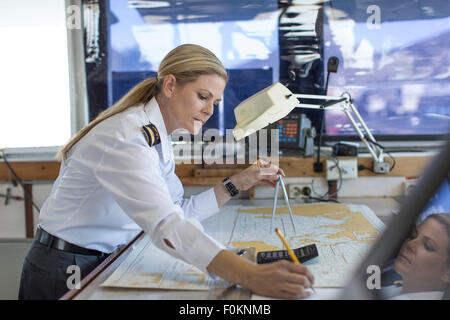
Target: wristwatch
{"points": [[231, 188]]}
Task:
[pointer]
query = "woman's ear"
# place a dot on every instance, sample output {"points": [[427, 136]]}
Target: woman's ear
{"points": [[169, 84]]}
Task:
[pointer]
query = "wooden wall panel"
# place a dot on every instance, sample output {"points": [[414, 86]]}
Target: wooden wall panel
{"points": [[191, 174], [45, 170]]}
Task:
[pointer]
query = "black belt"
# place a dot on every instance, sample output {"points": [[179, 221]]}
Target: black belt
{"points": [[47, 239]]}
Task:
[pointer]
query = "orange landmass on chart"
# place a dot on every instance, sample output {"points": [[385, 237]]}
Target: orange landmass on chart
{"points": [[258, 245], [196, 274], [153, 277], [306, 241], [148, 278], [197, 277], [304, 210], [368, 236], [354, 222], [266, 216]]}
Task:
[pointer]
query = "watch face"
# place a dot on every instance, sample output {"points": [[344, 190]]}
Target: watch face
{"points": [[231, 188]]}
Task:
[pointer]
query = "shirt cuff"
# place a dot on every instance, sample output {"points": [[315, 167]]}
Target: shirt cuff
{"points": [[203, 251]]}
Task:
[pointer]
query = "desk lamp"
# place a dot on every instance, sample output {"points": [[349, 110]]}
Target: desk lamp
{"points": [[276, 101], [266, 106]]}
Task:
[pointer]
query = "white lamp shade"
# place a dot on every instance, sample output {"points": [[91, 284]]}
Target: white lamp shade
{"points": [[264, 107]]}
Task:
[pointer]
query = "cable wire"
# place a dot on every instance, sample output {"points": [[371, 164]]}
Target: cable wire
{"points": [[326, 197], [25, 191], [388, 153]]}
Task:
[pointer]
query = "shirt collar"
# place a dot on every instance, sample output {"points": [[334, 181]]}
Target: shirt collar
{"points": [[155, 116]]}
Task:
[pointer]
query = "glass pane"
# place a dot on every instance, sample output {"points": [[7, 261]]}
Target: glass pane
{"points": [[395, 63], [421, 268], [34, 77], [243, 35]]}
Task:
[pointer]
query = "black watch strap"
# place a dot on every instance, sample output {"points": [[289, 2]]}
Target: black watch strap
{"points": [[231, 188]]}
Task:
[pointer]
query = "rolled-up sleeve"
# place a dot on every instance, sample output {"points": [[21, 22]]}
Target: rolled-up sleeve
{"points": [[131, 174]]}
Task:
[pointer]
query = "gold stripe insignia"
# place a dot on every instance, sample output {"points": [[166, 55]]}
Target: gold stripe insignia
{"points": [[151, 134]]}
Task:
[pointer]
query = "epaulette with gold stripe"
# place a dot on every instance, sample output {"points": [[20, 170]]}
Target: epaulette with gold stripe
{"points": [[398, 283], [151, 134]]}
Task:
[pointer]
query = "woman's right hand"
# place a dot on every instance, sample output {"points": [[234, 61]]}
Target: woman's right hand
{"points": [[282, 279]]}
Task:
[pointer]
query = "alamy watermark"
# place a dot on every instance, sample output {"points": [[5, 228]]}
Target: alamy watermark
{"points": [[74, 280], [374, 20], [374, 279], [211, 147], [73, 17]]}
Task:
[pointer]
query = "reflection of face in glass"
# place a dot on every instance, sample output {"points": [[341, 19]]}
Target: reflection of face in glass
{"points": [[423, 260]]}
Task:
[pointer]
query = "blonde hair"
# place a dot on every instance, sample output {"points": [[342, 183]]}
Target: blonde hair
{"points": [[186, 62], [444, 219]]}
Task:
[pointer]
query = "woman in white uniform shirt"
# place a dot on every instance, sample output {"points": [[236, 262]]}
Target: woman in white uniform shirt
{"points": [[117, 177]]}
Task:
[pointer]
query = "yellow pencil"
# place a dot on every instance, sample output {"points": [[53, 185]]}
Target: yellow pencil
{"points": [[289, 250]]}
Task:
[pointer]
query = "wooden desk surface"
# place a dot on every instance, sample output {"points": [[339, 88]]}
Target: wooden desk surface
{"points": [[382, 207]]}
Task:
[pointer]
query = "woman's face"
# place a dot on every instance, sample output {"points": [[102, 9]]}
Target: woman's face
{"points": [[423, 257], [190, 105]]}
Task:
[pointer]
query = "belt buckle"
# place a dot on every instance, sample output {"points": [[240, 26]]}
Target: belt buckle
{"points": [[43, 237]]}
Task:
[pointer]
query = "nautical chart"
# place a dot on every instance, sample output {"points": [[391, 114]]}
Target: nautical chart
{"points": [[343, 235]]}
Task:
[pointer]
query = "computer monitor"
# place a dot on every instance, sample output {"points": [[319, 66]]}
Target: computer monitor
{"points": [[432, 191]]}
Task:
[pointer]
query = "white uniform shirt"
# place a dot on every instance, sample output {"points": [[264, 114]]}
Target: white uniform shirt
{"points": [[114, 184], [395, 293]]}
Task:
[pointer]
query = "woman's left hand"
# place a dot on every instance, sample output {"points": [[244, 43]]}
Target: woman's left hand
{"points": [[260, 171]]}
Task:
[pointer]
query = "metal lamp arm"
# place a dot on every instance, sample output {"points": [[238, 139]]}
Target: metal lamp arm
{"points": [[374, 150]]}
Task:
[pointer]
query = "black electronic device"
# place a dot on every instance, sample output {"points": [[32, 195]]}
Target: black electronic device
{"points": [[333, 63], [296, 132], [303, 254], [345, 149], [289, 131]]}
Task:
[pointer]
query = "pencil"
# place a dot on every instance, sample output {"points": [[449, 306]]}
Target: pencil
{"points": [[289, 250]]}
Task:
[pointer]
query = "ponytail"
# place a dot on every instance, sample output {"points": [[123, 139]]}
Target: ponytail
{"points": [[186, 62], [142, 93]]}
